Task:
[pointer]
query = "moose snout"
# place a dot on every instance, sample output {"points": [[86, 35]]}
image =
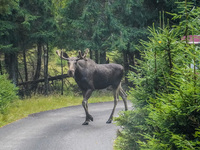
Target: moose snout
{"points": [[71, 73]]}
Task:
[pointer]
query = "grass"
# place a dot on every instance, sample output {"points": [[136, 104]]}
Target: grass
{"points": [[22, 108]]}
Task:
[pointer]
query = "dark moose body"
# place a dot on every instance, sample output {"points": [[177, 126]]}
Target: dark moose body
{"points": [[90, 76], [97, 76]]}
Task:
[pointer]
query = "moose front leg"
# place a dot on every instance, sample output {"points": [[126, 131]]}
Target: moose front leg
{"points": [[86, 96]]}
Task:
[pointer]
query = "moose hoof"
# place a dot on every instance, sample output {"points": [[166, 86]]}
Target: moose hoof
{"points": [[109, 121], [85, 123], [88, 119]]}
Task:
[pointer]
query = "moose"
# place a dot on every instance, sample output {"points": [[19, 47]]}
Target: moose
{"points": [[91, 76]]}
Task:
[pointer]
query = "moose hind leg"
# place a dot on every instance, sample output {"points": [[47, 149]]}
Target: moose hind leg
{"points": [[116, 91], [86, 96], [124, 97]]}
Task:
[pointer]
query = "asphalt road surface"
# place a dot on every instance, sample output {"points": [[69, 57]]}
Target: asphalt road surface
{"points": [[62, 129]]}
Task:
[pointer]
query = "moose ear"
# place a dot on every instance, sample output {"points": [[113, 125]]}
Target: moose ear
{"points": [[79, 54], [84, 55], [62, 55]]}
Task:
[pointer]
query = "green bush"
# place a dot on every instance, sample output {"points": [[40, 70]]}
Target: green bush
{"points": [[175, 116], [8, 93], [166, 97], [151, 79]]}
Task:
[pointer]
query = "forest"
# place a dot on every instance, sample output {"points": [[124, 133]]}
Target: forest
{"points": [[31, 31], [150, 38]]}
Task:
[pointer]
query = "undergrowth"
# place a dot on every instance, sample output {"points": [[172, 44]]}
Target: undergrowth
{"points": [[166, 96]]}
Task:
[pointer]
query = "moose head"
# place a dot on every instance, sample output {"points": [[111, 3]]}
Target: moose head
{"points": [[72, 61]]}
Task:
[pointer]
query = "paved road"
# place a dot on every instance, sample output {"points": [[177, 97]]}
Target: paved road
{"points": [[61, 129]]}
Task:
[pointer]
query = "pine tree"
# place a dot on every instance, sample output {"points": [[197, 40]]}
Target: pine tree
{"points": [[42, 28], [8, 40], [27, 24], [166, 93]]}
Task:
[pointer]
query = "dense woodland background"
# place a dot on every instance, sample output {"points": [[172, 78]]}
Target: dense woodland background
{"points": [[161, 70], [32, 30]]}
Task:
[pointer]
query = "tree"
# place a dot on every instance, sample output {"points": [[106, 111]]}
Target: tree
{"points": [[27, 24], [41, 28], [93, 26], [8, 41], [110, 25], [166, 93]]}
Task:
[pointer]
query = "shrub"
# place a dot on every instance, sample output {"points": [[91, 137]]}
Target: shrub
{"points": [[8, 93], [166, 96]]}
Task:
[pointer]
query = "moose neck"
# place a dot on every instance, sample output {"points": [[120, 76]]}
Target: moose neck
{"points": [[83, 67]]}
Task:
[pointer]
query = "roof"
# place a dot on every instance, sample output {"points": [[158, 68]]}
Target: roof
{"points": [[192, 39]]}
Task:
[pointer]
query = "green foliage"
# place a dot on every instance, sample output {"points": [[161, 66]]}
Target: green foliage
{"points": [[38, 23], [26, 23], [106, 25], [7, 5], [58, 62], [8, 93], [166, 95], [175, 116], [7, 25]]}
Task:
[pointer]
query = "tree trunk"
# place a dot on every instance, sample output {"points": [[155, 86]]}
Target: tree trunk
{"points": [[39, 61], [125, 65], [38, 68], [1, 71], [62, 74], [14, 64], [25, 65], [91, 54], [131, 59], [12, 67], [103, 57], [137, 55], [97, 56], [45, 48], [27, 92], [170, 58]]}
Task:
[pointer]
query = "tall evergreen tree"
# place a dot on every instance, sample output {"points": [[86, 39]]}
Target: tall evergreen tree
{"points": [[107, 25], [9, 45], [91, 25], [27, 24], [42, 28]]}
